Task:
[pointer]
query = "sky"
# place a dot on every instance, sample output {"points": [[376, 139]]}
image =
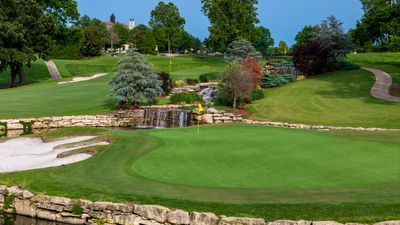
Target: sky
{"points": [[284, 18]]}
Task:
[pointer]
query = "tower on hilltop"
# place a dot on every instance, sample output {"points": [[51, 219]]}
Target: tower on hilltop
{"points": [[131, 24], [112, 18]]}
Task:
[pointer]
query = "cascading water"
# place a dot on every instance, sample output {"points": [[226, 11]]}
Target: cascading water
{"points": [[163, 118], [209, 94]]}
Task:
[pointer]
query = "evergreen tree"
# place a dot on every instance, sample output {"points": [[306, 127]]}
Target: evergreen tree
{"points": [[239, 49], [135, 82]]}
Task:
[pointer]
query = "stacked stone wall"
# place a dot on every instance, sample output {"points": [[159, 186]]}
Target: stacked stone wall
{"points": [[15, 200]]}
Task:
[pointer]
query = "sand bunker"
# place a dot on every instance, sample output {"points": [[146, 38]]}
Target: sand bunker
{"points": [[32, 153], [79, 79]]}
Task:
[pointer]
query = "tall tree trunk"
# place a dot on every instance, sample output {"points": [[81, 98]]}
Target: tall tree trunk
{"points": [[21, 74], [234, 102], [13, 76], [169, 46]]}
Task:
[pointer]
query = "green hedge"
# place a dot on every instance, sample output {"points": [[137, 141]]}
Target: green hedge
{"points": [[186, 97]]}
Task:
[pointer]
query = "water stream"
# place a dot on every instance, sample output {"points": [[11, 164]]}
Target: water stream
{"points": [[166, 118], [6, 219]]}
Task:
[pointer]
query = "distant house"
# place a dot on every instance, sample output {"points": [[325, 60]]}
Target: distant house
{"points": [[110, 24]]}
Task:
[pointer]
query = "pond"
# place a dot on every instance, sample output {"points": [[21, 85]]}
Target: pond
{"points": [[7, 219]]}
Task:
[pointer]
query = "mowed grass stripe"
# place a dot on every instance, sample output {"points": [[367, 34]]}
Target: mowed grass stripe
{"points": [[337, 99]]}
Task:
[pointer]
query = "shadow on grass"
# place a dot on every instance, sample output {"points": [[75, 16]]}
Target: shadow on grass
{"points": [[355, 84]]}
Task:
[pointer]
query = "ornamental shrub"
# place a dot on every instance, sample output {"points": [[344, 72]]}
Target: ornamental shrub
{"points": [[207, 77], [257, 95], [191, 81], [271, 81], [167, 84], [135, 82], [346, 65], [253, 68], [186, 97]]}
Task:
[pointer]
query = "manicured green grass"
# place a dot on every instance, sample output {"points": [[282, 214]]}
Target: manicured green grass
{"points": [[49, 99], [182, 66], [338, 99], [274, 173], [388, 62], [234, 157], [36, 73]]}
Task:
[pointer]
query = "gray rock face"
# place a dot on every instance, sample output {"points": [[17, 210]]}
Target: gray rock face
{"points": [[3, 189], [290, 222], [20, 193], [25, 208], [153, 212], [198, 218], [178, 217], [326, 223], [70, 220], [51, 207], [61, 201], [240, 221], [392, 222], [47, 215]]}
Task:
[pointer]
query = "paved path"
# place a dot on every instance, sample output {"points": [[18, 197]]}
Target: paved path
{"points": [[382, 85], [53, 70]]}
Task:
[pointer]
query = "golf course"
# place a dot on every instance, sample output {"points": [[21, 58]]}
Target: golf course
{"points": [[236, 170]]}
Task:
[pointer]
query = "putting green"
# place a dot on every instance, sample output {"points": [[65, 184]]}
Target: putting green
{"points": [[268, 158]]}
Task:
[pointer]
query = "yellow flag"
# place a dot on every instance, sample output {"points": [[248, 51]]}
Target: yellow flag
{"points": [[200, 108], [170, 61]]}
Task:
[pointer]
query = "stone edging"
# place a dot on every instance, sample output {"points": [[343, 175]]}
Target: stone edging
{"points": [[19, 201], [133, 118]]}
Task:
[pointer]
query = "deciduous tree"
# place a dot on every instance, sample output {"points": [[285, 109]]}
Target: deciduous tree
{"points": [[237, 83], [230, 20], [262, 40], [252, 66], [143, 40], [166, 16], [25, 35], [94, 38]]}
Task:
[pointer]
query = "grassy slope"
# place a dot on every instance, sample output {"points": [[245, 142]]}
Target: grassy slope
{"points": [[109, 175], [36, 73], [339, 99], [388, 62], [182, 66], [49, 99]]}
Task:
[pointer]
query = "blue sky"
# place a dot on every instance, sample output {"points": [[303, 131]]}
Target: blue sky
{"points": [[283, 17]]}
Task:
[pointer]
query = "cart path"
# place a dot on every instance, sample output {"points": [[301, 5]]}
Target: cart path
{"points": [[382, 85]]}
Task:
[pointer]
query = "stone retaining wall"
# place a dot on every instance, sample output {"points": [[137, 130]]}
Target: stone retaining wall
{"points": [[117, 119], [213, 116], [135, 118], [19, 201]]}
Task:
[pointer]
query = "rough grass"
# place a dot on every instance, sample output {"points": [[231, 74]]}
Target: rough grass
{"points": [[365, 197], [338, 99]]}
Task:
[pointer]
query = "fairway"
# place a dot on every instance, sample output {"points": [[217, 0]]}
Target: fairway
{"points": [[259, 157], [256, 171]]}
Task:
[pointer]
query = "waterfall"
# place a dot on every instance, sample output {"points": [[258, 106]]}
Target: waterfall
{"points": [[163, 118]]}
